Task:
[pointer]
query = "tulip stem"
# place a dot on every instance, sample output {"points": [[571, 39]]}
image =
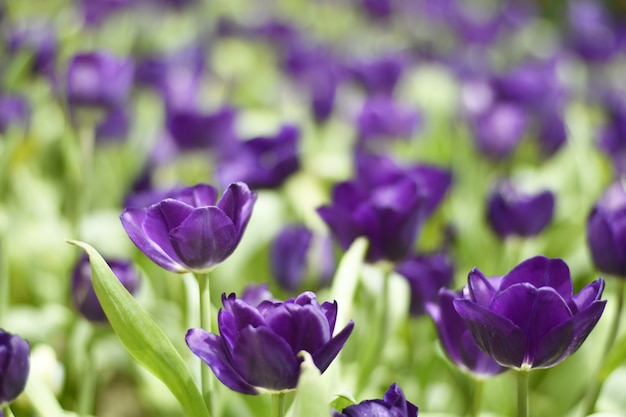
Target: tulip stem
{"points": [[206, 383], [278, 405], [596, 385], [7, 411], [522, 392], [477, 397]]}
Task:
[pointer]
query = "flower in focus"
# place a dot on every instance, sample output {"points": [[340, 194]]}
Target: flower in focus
{"points": [[257, 349], [606, 231], [83, 293], [514, 213], [426, 274], [191, 231], [14, 366], [262, 162], [392, 405], [297, 253], [456, 339], [530, 318]]}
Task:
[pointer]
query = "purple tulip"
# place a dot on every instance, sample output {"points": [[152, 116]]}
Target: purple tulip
{"points": [[379, 76], [389, 216], [593, 35], [392, 405], [95, 12], [291, 261], [612, 136], [262, 162], [606, 231], [456, 339], [83, 293], [192, 130], [114, 127], [99, 79], [38, 38], [499, 130], [191, 231], [14, 110], [257, 349], [530, 318], [426, 274], [14, 366], [381, 117], [511, 212]]}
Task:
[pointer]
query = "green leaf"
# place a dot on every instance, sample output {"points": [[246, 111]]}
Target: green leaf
{"points": [[311, 393], [141, 336], [346, 278]]}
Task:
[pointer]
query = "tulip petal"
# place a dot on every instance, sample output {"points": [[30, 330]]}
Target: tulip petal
{"points": [[481, 289], [330, 310], [265, 360], [133, 220], [325, 355], [209, 348], [237, 203], [605, 229], [205, 238], [590, 293], [303, 327], [541, 272], [341, 224], [200, 195], [498, 336]]}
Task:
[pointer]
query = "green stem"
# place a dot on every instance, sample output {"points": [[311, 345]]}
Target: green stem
{"points": [[5, 283], [596, 384], [278, 405], [206, 382], [522, 393], [87, 389], [7, 411], [477, 397]]}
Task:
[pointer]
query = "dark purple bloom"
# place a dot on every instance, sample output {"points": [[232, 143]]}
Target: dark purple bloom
{"points": [[99, 79], [14, 110], [83, 293], [40, 40], [114, 127], [392, 405], [191, 231], [255, 294], [511, 212], [381, 117], [530, 318], [499, 129], [551, 131], [192, 130], [14, 366], [262, 162], [257, 349], [593, 35], [606, 231], [95, 12], [456, 339], [291, 259], [377, 9], [426, 274], [612, 136], [379, 76]]}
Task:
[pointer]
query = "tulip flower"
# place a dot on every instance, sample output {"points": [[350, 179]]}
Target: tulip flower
{"points": [[83, 293], [392, 405], [514, 213], [381, 117], [530, 318], [191, 231], [456, 339], [193, 130], [14, 110], [291, 261], [257, 349], [262, 162], [14, 366]]}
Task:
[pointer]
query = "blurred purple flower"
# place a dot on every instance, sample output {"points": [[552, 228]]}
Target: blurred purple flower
{"points": [[606, 231], [499, 130], [99, 79], [255, 294], [377, 9], [83, 293], [191, 231], [257, 349], [291, 259], [14, 110], [612, 136], [114, 127], [14, 366], [426, 274], [381, 117], [39, 39], [96, 12], [392, 405], [531, 318], [592, 33], [262, 162], [379, 76], [192, 130], [511, 212], [455, 338]]}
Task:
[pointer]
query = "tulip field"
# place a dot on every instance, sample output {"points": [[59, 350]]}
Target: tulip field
{"points": [[305, 208]]}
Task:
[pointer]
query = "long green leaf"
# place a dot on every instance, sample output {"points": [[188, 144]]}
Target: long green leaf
{"points": [[141, 336], [311, 393], [347, 277]]}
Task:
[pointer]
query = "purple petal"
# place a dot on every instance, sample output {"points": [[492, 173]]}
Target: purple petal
{"points": [[498, 336], [539, 272], [330, 310], [341, 225], [237, 203], [325, 355], [205, 238], [133, 221], [303, 327], [200, 195], [265, 360], [480, 288], [209, 348], [590, 293]]}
